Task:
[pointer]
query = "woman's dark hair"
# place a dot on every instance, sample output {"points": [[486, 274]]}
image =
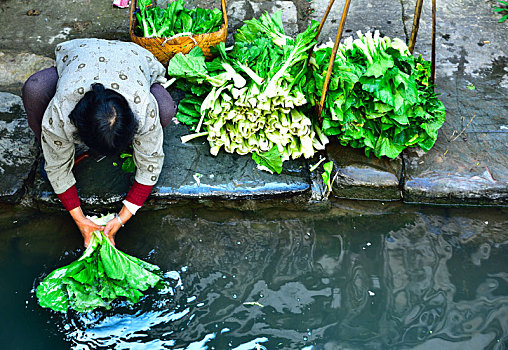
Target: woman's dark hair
{"points": [[104, 120]]}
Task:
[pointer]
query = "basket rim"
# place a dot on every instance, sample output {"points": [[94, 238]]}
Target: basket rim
{"points": [[133, 22]]}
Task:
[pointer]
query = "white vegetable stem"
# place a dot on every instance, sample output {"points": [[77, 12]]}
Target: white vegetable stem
{"points": [[189, 137]]}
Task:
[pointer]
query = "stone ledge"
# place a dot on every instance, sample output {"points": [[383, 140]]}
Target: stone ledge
{"points": [[360, 177], [18, 149], [189, 173], [195, 173]]}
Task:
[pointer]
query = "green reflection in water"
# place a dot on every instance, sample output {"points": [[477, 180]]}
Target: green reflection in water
{"points": [[361, 275]]}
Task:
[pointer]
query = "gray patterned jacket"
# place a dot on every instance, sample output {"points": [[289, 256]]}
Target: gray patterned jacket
{"points": [[122, 66]]}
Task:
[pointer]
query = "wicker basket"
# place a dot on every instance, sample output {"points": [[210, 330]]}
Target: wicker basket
{"points": [[164, 49]]}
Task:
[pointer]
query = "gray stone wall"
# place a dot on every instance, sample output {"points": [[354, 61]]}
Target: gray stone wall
{"points": [[468, 164]]}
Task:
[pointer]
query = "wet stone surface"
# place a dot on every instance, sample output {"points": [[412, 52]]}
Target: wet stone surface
{"points": [[16, 67], [59, 21], [468, 163], [99, 182], [469, 37], [190, 171], [359, 177], [18, 148], [368, 15]]}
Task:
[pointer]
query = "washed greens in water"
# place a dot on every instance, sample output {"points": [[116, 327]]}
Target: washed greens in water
{"points": [[102, 274], [379, 98], [176, 19], [248, 100]]}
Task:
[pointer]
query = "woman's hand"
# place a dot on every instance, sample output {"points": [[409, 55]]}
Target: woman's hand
{"points": [[114, 224], [85, 225], [111, 229]]}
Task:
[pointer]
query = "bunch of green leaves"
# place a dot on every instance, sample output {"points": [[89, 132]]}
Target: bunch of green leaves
{"points": [[154, 21], [503, 9], [101, 275], [248, 99], [379, 98]]}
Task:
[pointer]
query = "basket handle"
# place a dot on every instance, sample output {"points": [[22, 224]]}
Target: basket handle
{"points": [[224, 12], [131, 15]]}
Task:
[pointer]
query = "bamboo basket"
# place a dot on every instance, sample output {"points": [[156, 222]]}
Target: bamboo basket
{"points": [[164, 49]]}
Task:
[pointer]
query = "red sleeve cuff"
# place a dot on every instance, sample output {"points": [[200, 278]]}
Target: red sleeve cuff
{"points": [[138, 193], [69, 198]]}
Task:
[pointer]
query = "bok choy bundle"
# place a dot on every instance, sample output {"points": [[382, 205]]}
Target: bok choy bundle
{"points": [[379, 98], [249, 99], [102, 274]]}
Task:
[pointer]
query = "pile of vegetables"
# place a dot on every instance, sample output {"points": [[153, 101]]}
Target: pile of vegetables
{"points": [[379, 98], [99, 276], [176, 19], [249, 99]]}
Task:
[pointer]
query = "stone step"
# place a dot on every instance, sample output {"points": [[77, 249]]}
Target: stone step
{"points": [[189, 172], [468, 164]]}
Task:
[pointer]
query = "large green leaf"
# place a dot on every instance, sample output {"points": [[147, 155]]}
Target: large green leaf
{"points": [[380, 66], [102, 274], [191, 66], [271, 159]]}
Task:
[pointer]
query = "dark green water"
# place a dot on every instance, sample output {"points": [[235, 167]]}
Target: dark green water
{"points": [[368, 276]]}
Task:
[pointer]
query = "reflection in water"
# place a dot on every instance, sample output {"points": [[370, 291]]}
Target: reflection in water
{"points": [[419, 268], [409, 279]]}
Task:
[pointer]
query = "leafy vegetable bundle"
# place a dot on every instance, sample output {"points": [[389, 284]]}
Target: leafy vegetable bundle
{"points": [[176, 19], [247, 100], [379, 96], [100, 275]]}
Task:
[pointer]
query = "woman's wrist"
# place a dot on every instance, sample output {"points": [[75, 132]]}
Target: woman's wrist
{"points": [[124, 215], [77, 214], [119, 219]]}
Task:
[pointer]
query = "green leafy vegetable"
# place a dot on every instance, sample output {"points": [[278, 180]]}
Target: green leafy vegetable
{"points": [[327, 175], [503, 9], [175, 19], [102, 274], [379, 98], [272, 160], [189, 110], [252, 96]]}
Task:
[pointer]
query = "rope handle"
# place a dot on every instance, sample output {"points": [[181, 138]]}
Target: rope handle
{"points": [[414, 34], [334, 52]]}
